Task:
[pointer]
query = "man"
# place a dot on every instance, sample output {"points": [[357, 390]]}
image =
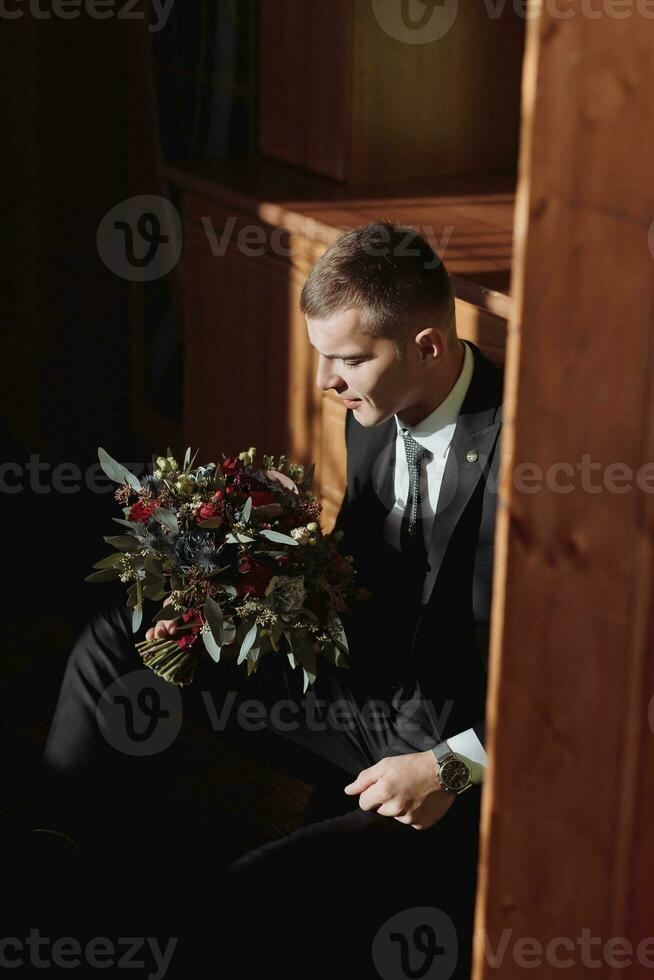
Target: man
{"points": [[422, 427]]}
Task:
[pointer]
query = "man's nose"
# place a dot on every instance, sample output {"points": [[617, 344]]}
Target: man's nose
{"points": [[327, 377]]}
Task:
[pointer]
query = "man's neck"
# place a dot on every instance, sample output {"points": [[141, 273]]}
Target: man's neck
{"points": [[416, 413]]}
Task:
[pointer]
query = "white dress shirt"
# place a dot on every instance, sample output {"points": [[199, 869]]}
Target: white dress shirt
{"points": [[435, 433]]}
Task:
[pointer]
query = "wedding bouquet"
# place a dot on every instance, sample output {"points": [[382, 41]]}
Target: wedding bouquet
{"points": [[237, 551]]}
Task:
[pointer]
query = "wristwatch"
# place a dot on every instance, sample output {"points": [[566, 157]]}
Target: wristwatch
{"points": [[453, 771]]}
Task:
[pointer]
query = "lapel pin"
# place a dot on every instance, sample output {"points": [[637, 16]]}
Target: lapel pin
{"points": [[472, 455]]}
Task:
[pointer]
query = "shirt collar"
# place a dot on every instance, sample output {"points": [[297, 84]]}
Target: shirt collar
{"points": [[436, 430]]}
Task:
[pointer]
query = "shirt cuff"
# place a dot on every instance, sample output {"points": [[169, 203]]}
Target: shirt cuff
{"points": [[467, 745]]}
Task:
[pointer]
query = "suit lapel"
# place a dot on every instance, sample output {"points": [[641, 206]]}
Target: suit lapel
{"points": [[475, 434]]}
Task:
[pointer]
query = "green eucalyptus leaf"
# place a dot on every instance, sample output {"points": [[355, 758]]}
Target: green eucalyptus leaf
{"points": [[116, 471], [247, 510], [106, 575], [195, 456], [309, 678], [119, 520], [275, 634], [126, 542], [277, 536], [153, 566], [137, 619], [341, 637], [210, 645], [248, 643], [153, 587], [166, 612], [110, 560], [214, 616], [167, 517]]}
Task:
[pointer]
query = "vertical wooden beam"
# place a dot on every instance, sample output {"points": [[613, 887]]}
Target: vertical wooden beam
{"points": [[567, 851]]}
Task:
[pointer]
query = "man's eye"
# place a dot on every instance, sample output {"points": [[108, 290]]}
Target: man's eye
{"points": [[352, 363]]}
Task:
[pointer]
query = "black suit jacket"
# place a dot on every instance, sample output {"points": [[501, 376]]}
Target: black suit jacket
{"points": [[430, 663]]}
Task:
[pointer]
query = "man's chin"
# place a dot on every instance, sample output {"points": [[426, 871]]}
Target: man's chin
{"points": [[369, 418]]}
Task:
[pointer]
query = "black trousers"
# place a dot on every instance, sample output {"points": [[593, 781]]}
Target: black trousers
{"points": [[355, 892]]}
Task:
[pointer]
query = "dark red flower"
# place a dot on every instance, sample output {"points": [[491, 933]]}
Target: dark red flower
{"points": [[207, 511], [258, 577], [141, 510], [231, 465], [262, 497], [186, 639]]}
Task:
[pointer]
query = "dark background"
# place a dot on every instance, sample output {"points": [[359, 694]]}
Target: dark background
{"points": [[74, 145]]}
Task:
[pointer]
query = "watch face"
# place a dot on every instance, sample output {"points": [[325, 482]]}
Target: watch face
{"points": [[455, 774]]}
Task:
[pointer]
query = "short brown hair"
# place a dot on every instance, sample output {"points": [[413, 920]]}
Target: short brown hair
{"points": [[389, 272]]}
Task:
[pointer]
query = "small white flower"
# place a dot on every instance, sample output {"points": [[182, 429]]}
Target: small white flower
{"points": [[301, 534]]}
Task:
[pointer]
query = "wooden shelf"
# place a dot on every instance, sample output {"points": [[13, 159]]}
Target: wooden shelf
{"points": [[468, 219]]}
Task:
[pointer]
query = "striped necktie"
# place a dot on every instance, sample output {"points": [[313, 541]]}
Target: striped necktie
{"points": [[412, 538]]}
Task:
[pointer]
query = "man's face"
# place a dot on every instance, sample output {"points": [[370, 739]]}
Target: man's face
{"points": [[364, 369]]}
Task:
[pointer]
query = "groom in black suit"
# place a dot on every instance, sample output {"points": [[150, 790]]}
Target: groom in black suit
{"points": [[422, 430]]}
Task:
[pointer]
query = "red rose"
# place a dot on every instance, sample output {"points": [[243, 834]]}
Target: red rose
{"points": [[231, 465], [258, 577], [187, 639], [206, 512], [141, 510], [262, 497]]}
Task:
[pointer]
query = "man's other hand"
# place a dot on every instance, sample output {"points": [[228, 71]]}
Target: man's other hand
{"points": [[404, 787]]}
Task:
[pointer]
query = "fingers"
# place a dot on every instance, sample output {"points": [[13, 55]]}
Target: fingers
{"points": [[365, 779], [162, 629], [376, 798]]}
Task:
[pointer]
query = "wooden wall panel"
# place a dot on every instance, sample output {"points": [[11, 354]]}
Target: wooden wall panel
{"points": [[305, 66], [344, 93], [565, 843], [450, 106], [484, 329]]}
